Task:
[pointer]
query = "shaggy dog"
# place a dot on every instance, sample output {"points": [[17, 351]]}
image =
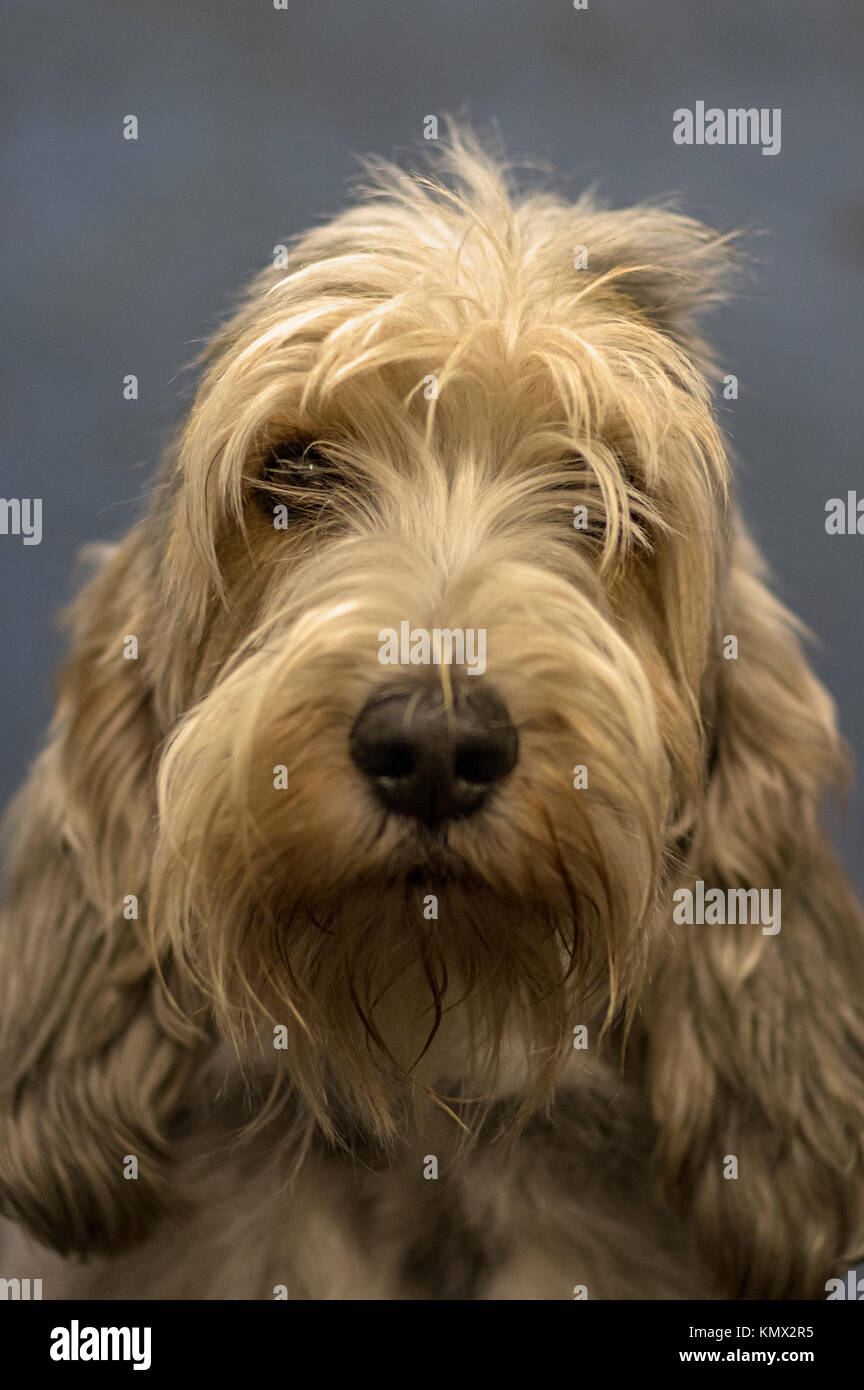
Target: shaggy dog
{"points": [[337, 966]]}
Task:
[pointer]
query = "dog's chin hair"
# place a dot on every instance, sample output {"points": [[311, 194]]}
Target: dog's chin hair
{"points": [[361, 1006], [423, 957]]}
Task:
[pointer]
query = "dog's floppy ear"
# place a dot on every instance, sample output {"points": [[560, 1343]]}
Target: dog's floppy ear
{"points": [[93, 1059], [756, 1040]]}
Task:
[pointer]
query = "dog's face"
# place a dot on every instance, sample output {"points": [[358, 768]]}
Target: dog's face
{"points": [[431, 419]]}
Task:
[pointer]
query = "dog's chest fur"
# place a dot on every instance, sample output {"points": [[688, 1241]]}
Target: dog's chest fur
{"points": [[567, 1212]]}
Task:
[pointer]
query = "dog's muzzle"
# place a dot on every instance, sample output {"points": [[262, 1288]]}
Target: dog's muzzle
{"points": [[433, 761]]}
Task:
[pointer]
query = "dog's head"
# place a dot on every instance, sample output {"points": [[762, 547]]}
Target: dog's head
{"points": [[438, 568], [429, 700]]}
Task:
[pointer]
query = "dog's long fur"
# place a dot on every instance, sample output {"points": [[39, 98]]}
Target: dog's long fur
{"points": [[299, 908]]}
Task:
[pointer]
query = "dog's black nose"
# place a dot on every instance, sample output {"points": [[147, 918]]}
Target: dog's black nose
{"points": [[430, 761]]}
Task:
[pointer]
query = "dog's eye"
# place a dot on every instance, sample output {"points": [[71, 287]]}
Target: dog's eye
{"points": [[290, 468], [297, 477]]}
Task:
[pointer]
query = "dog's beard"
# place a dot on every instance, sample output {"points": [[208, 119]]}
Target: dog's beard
{"points": [[370, 962]]}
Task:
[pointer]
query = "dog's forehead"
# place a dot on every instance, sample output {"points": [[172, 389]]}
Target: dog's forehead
{"points": [[501, 303], [480, 251], [362, 324], [454, 280], [470, 324]]}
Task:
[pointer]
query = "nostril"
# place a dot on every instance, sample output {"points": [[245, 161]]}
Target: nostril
{"points": [[480, 763], [394, 759]]}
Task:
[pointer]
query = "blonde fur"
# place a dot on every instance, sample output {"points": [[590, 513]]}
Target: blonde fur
{"points": [[302, 907]]}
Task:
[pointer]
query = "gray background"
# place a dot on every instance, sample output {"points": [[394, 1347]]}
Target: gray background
{"points": [[121, 256]]}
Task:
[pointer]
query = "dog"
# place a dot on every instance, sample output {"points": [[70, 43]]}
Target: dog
{"points": [[343, 954]]}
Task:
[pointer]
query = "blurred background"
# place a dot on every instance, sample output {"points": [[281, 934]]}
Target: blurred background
{"points": [[122, 255]]}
